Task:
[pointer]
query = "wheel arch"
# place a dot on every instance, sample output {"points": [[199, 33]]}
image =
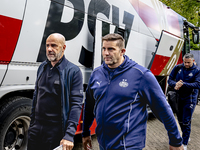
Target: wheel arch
{"points": [[21, 93]]}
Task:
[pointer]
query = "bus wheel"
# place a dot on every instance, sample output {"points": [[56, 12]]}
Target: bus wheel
{"points": [[14, 123]]}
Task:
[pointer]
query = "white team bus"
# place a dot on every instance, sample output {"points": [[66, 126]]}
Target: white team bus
{"points": [[156, 37]]}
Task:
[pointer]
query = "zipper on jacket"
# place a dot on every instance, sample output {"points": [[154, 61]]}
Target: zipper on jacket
{"points": [[61, 111], [110, 76], [109, 79], [103, 114], [103, 108]]}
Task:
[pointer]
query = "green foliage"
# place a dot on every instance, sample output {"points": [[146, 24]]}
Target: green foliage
{"points": [[189, 9]]}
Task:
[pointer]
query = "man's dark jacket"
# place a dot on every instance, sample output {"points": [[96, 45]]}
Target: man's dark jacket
{"points": [[71, 96], [191, 82]]}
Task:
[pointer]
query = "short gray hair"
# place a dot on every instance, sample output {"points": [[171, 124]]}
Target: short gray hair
{"points": [[188, 55]]}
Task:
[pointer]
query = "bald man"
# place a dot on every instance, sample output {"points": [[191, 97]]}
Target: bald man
{"points": [[57, 99]]}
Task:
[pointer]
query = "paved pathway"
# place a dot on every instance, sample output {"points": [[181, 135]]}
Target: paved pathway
{"points": [[157, 138], [157, 135]]}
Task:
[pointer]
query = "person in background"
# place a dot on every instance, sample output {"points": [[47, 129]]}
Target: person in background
{"points": [[117, 96], [57, 99], [186, 84]]}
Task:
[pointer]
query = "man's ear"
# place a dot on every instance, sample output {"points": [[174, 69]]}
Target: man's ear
{"points": [[123, 51], [64, 47]]}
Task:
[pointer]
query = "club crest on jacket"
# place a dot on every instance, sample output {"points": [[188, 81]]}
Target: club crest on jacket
{"points": [[123, 83]]}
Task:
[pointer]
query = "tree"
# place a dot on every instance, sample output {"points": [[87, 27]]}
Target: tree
{"points": [[189, 9]]}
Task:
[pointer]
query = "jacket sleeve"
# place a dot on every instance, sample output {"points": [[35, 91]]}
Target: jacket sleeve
{"points": [[172, 76], [88, 115], [75, 102], [32, 115], [195, 84], [155, 98]]}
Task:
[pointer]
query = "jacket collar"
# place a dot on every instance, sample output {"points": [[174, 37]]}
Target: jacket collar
{"points": [[191, 68], [127, 63], [61, 64]]}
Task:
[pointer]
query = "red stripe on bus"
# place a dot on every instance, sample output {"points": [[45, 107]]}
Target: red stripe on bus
{"points": [[159, 63], [9, 33], [147, 14], [173, 21], [150, 17]]}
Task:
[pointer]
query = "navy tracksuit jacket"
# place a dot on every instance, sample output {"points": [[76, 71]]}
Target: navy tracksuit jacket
{"points": [[188, 94], [118, 99]]}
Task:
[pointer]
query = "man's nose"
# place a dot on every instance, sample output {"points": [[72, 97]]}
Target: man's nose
{"points": [[106, 52], [49, 48]]}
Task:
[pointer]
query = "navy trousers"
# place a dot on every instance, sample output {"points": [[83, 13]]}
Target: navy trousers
{"points": [[186, 109], [44, 135]]}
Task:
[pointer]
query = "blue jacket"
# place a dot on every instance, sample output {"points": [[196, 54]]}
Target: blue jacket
{"points": [[71, 96], [191, 82], [118, 99]]}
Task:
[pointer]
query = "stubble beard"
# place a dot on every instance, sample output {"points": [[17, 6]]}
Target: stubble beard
{"points": [[54, 58], [111, 62]]}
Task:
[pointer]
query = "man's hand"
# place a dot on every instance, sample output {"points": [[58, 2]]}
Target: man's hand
{"points": [[178, 85], [176, 148], [87, 140], [67, 145]]}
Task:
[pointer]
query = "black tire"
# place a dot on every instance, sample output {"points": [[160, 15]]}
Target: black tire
{"points": [[14, 123]]}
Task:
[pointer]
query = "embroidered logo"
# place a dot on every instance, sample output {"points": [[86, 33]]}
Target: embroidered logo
{"points": [[190, 74], [179, 71], [99, 82], [191, 106], [123, 83]]}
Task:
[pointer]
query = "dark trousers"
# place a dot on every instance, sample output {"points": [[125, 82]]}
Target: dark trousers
{"points": [[186, 109], [44, 136]]}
